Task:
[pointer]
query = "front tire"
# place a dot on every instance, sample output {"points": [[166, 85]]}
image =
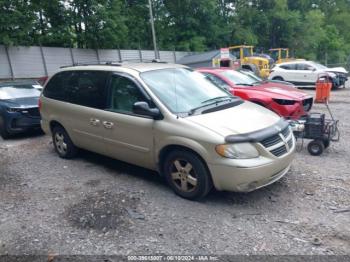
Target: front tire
{"points": [[187, 175], [63, 144], [3, 132], [278, 78]]}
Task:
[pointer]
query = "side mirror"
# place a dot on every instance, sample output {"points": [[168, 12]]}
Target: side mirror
{"points": [[142, 108]]}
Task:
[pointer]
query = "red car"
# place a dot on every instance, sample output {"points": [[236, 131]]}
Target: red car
{"points": [[280, 97]]}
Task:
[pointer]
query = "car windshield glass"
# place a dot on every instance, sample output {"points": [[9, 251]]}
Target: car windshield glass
{"points": [[18, 91], [238, 78], [319, 66], [181, 89], [251, 75]]}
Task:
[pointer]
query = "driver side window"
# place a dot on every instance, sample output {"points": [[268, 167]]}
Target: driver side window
{"points": [[124, 93]]}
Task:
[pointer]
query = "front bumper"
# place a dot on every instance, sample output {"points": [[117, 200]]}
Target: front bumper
{"points": [[251, 174], [296, 111], [18, 123]]}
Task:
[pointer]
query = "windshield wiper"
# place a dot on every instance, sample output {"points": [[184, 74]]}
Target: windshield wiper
{"points": [[244, 84], [216, 98], [215, 101]]}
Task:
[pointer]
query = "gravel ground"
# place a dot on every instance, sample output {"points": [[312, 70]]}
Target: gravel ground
{"points": [[99, 206]]}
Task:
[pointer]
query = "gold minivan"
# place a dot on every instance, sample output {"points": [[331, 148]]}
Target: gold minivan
{"points": [[169, 118]]}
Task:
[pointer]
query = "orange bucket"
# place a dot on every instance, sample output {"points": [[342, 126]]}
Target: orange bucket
{"points": [[323, 88]]}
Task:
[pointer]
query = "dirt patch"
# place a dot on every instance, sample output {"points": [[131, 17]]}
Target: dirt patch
{"points": [[8, 179], [93, 182], [103, 211]]}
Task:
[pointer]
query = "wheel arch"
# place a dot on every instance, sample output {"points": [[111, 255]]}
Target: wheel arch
{"points": [[54, 123], [171, 147], [278, 77]]}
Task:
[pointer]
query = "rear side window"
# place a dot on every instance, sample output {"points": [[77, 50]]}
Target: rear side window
{"points": [[90, 89], [289, 67], [55, 87], [85, 88], [304, 67]]}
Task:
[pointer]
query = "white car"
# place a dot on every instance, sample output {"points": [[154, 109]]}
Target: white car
{"points": [[306, 73]]}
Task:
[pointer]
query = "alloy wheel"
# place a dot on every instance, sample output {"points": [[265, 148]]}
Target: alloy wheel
{"points": [[183, 175], [60, 143]]}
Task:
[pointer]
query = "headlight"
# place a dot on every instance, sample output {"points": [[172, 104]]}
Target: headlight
{"points": [[237, 151], [284, 102], [14, 110]]}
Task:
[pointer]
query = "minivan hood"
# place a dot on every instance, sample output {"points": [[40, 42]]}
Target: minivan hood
{"points": [[244, 118]]}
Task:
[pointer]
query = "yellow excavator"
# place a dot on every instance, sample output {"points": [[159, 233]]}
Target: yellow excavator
{"points": [[245, 59], [281, 55]]}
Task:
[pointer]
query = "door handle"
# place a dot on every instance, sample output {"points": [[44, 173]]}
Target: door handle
{"points": [[94, 121], [108, 125]]}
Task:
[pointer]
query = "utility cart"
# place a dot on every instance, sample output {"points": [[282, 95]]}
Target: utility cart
{"points": [[317, 128]]}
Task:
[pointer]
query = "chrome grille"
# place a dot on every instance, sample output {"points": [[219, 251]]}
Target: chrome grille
{"points": [[279, 144], [286, 132], [270, 141], [279, 151]]}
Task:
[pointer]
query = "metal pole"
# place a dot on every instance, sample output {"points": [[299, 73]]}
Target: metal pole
{"points": [[156, 53], [10, 62], [44, 60], [120, 55], [71, 55], [98, 56], [140, 53]]}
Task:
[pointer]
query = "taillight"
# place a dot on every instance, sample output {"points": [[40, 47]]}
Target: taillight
{"points": [[39, 104]]}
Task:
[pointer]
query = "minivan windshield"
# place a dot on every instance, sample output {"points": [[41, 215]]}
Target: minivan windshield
{"points": [[18, 91], [182, 90]]}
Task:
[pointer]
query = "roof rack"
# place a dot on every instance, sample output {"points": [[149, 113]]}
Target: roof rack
{"points": [[102, 63], [115, 63]]}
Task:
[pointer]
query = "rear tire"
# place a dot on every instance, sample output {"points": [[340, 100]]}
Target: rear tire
{"points": [[3, 132], [63, 144], [315, 147], [187, 175]]}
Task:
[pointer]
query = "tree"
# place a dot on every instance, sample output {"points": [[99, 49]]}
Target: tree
{"points": [[52, 26], [15, 22], [312, 28], [98, 23]]}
